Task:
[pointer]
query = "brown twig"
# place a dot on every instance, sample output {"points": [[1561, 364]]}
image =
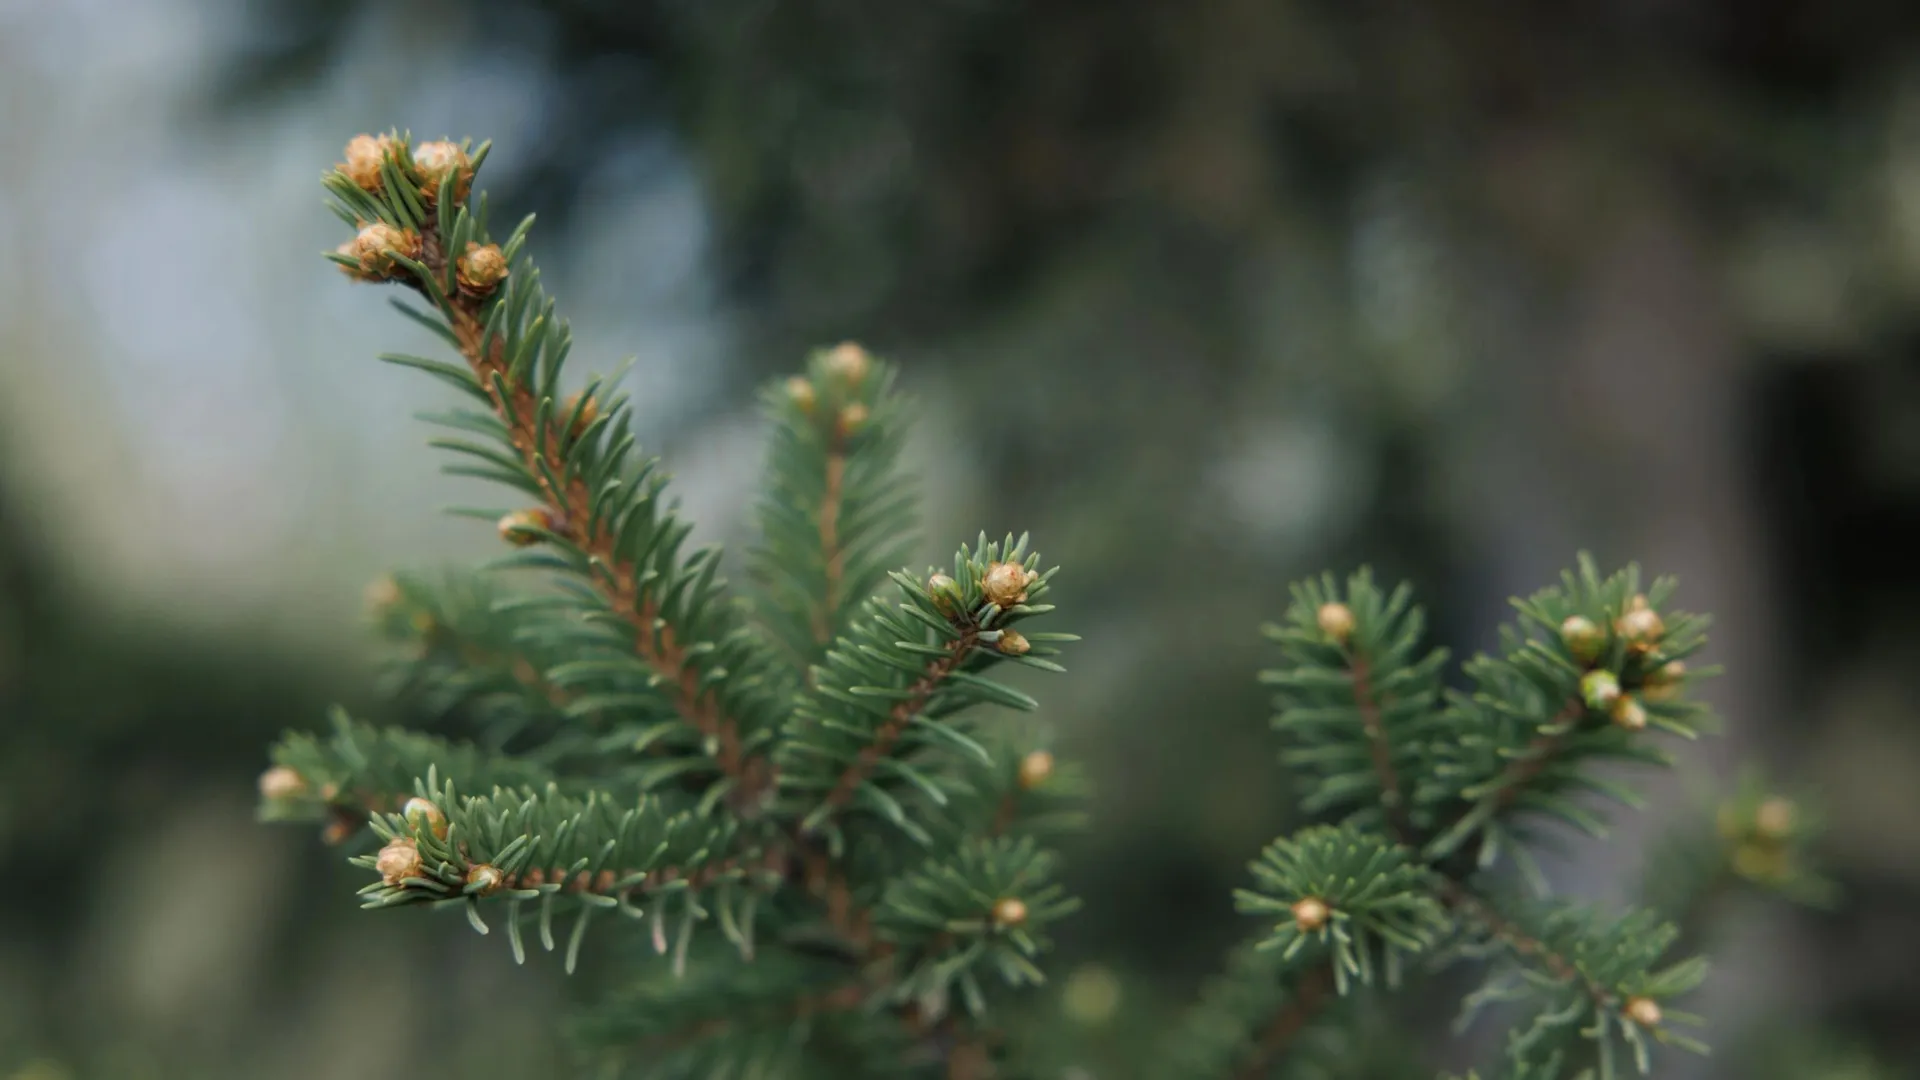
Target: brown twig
{"points": [[1309, 997], [830, 540], [1004, 814], [900, 716], [570, 507], [1392, 799], [1471, 905], [1540, 752]]}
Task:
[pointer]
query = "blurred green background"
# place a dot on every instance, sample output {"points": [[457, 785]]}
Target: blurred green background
{"points": [[1207, 295]]}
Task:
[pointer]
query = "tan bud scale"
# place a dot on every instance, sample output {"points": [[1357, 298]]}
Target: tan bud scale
{"points": [[398, 861], [1035, 769], [1336, 621], [1009, 911]]}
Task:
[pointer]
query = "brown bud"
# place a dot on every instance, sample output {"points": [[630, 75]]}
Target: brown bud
{"points": [[376, 245], [1762, 862], [588, 413], [329, 791], [381, 595], [1583, 639], [514, 526], [1005, 583], [1013, 643], [850, 362], [437, 160], [1336, 621], [1640, 625], [802, 393], [1035, 768], [1663, 682], [280, 783], [423, 814], [351, 249], [1009, 911], [398, 861], [365, 156], [338, 831], [1628, 713], [1643, 1011], [488, 879], [853, 418], [1311, 914], [1773, 820], [481, 267]]}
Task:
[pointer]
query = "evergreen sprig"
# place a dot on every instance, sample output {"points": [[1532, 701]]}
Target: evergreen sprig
{"points": [[981, 910], [817, 808], [1361, 897], [838, 513]]}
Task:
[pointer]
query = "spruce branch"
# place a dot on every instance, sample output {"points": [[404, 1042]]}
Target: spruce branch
{"points": [[599, 512]]}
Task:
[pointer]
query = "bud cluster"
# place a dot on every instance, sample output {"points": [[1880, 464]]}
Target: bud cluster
{"points": [[1622, 662], [1762, 836], [427, 165], [374, 162], [833, 394]]}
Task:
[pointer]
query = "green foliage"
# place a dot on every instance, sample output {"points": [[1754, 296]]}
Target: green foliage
{"points": [[815, 811]]}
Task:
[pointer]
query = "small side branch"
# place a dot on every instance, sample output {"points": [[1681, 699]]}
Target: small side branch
{"points": [[899, 717], [1392, 798], [830, 550], [1476, 910], [1540, 753], [1309, 998]]}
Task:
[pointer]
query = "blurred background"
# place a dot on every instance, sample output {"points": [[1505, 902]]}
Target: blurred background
{"points": [[1208, 295]]}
